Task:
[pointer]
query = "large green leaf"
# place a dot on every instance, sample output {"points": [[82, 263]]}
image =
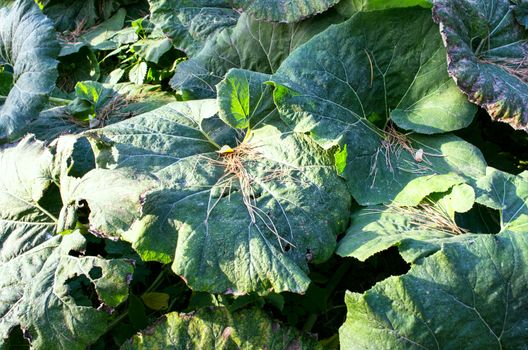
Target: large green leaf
{"points": [[416, 231], [112, 196], [26, 174], [37, 269], [239, 218], [286, 11], [96, 37], [79, 15], [36, 294], [487, 52], [384, 64], [420, 230], [96, 105], [350, 7], [28, 45], [471, 295], [188, 23], [220, 329], [251, 44]]}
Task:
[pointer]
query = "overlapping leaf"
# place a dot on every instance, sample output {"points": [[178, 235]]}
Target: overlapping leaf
{"points": [[36, 296], [416, 231], [23, 221], [487, 50], [244, 100], [251, 44], [189, 23], [220, 329], [96, 105], [245, 217], [36, 267], [507, 193], [286, 11], [29, 47], [96, 37], [479, 286], [81, 14], [350, 7], [420, 230], [377, 66]]}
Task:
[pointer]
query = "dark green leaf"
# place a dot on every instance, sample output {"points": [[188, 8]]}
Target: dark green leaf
{"points": [[29, 46], [487, 52], [479, 286]]}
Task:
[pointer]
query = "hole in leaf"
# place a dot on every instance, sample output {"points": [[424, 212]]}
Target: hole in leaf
{"points": [[480, 219], [95, 246], [96, 272], [364, 275], [83, 211], [52, 201], [287, 247], [75, 253], [82, 290], [17, 339]]}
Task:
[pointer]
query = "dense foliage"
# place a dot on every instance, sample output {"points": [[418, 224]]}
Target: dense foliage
{"points": [[231, 174]]}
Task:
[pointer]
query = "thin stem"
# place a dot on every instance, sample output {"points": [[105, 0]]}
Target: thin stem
{"points": [[50, 215], [157, 281], [310, 322], [330, 287], [210, 139], [152, 287], [54, 100], [60, 101], [117, 320]]}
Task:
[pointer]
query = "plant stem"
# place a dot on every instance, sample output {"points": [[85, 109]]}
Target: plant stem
{"points": [[152, 287], [54, 100], [59, 101], [330, 287], [50, 215], [310, 322], [157, 281]]}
